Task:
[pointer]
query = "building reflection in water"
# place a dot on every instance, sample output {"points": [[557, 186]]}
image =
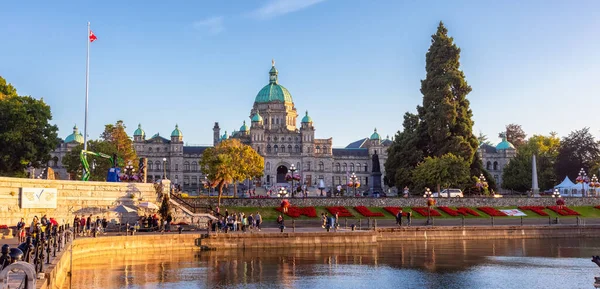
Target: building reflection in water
{"points": [[283, 268]]}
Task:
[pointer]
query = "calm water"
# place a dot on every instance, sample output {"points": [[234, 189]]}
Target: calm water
{"points": [[549, 263]]}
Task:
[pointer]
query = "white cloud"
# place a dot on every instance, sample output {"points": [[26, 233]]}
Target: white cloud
{"points": [[213, 25], [276, 8]]}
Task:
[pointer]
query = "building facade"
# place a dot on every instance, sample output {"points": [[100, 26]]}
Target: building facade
{"points": [[496, 158], [64, 146], [274, 134]]}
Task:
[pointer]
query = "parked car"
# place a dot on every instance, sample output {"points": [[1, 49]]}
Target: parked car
{"points": [[449, 193]]}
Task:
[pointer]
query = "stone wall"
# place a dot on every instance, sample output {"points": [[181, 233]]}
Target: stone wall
{"points": [[74, 197], [403, 202]]}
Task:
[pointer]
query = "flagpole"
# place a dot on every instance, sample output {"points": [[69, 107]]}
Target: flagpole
{"points": [[87, 79]]}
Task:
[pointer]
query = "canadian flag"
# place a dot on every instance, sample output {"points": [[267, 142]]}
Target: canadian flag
{"points": [[92, 36]]}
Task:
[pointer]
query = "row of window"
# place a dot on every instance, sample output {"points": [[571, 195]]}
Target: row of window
{"points": [[187, 166], [488, 166], [337, 167]]}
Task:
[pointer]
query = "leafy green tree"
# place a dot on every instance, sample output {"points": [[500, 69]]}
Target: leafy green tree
{"points": [[26, 136], [476, 169], [446, 120], [444, 172], [517, 174], [404, 154], [578, 150], [99, 166], [117, 136], [483, 139], [229, 162], [514, 134]]}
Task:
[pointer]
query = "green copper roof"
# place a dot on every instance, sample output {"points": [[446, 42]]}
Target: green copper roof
{"points": [[224, 136], [139, 131], [244, 127], [75, 136], [306, 118], [256, 117], [176, 132], [273, 91], [375, 135], [505, 145]]}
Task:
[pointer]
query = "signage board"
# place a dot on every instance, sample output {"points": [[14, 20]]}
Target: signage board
{"points": [[38, 198]]}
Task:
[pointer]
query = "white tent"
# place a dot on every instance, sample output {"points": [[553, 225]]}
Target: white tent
{"points": [[566, 183]]}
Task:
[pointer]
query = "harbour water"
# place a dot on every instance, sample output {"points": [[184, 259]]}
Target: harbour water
{"points": [[527, 263]]}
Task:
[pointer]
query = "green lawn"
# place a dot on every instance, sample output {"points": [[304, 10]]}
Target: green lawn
{"points": [[269, 213]]}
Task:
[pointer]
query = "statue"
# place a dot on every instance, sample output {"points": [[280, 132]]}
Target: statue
{"points": [[376, 167]]}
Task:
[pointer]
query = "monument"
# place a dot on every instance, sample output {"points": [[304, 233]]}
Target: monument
{"points": [[376, 188]]}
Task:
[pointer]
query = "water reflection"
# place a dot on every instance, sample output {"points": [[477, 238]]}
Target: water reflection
{"points": [[473, 264]]}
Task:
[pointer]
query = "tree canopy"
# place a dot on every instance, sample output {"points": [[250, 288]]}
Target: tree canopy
{"points": [[447, 171], [229, 162], [578, 150], [26, 135], [117, 136], [514, 134], [99, 166]]}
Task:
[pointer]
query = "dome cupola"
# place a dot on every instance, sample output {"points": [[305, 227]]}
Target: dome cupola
{"points": [[375, 135], [273, 92], [306, 118], [505, 144], [76, 136], [225, 136], [176, 132], [244, 127], [256, 117], [139, 131]]}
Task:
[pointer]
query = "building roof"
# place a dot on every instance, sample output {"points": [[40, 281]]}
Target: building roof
{"points": [[139, 131], [487, 148], [176, 132], [244, 127], [375, 135], [273, 91], [306, 118], [194, 150], [357, 144], [256, 117], [76, 136], [505, 145], [157, 138], [351, 152]]}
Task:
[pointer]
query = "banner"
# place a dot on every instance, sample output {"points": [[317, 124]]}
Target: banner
{"points": [[514, 213], [38, 198]]}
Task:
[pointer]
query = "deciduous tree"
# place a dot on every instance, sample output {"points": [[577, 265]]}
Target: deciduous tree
{"points": [[99, 166], [578, 150], [446, 171], [117, 136], [514, 134], [26, 135]]}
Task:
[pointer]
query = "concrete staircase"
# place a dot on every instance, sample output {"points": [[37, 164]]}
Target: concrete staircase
{"points": [[183, 214]]}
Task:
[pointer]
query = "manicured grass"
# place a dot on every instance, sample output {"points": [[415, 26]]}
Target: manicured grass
{"points": [[269, 213]]}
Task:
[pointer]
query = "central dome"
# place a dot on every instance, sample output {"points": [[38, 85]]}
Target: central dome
{"points": [[273, 92]]}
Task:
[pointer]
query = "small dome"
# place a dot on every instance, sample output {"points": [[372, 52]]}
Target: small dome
{"points": [[225, 136], [75, 136], [256, 117], [306, 118], [273, 91], [375, 135], [139, 131], [176, 132], [505, 145], [244, 127]]}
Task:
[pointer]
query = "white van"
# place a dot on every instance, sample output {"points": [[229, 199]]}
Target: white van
{"points": [[449, 193]]}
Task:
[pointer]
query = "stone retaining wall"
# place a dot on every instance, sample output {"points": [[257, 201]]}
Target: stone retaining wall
{"points": [[402, 202], [73, 196]]}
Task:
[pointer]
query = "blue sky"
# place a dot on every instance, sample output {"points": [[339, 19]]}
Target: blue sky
{"points": [[354, 65]]}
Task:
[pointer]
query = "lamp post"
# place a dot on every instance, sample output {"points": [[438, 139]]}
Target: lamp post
{"points": [[594, 184], [353, 182], [556, 193], [293, 169], [165, 168], [282, 192], [481, 184], [583, 179], [429, 200], [129, 170]]}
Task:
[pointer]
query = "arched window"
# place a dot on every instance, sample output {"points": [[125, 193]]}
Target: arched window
{"points": [[166, 149], [258, 149], [495, 166], [318, 149], [268, 148], [321, 166], [345, 167], [275, 148], [298, 165], [186, 166], [194, 166], [488, 166], [150, 165], [337, 167], [366, 168], [352, 167], [297, 148], [283, 148], [268, 166], [150, 149], [289, 148], [308, 166], [176, 167], [157, 163]]}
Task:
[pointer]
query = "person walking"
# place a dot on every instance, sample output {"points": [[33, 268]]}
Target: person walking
{"points": [[104, 225], [82, 226], [169, 220], [88, 224], [408, 217], [21, 230], [281, 223], [250, 222], [76, 223], [399, 218], [258, 220]]}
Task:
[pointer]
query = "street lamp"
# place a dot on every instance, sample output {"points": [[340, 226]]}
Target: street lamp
{"points": [[164, 168], [556, 193], [594, 184], [481, 184], [129, 171], [354, 182], [430, 201], [293, 169], [282, 192], [583, 179]]}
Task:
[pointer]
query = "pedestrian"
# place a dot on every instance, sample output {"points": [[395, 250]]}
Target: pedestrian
{"points": [[82, 225], [44, 220], [21, 230], [399, 218], [88, 224], [104, 225], [169, 220], [258, 220], [281, 222], [337, 223], [250, 222], [408, 217], [324, 220], [98, 224]]}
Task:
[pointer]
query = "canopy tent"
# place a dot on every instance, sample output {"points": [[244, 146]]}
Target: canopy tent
{"points": [[566, 183]]}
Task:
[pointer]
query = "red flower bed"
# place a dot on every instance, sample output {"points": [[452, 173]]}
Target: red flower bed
{"points": [[367, 213], [180, 224], [492, 212], [296, 212], [423, 211], [563, 211], [597, 207], [342, 211], [3, 227], [459, 211], [394, 211], [536, 209]]}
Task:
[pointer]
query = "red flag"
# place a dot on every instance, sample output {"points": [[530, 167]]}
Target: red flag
{"points": [[92, 36]]}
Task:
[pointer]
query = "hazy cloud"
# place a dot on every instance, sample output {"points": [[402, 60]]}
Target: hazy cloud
{"points": [[276, 8], [212, 25]]}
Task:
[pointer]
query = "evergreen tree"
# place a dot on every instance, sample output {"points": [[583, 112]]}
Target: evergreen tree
{"points": [[446, 124], [404, 154], [578, 150]]}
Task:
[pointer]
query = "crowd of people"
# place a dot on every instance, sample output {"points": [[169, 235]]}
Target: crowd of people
{"points": [[236, 222], [153, 223], [90, 226], [36, 227]]}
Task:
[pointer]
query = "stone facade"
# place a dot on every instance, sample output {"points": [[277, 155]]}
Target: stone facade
{"points": [[57, 155], [495, 159], [274, 134]]}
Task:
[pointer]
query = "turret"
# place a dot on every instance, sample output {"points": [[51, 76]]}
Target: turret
{"points": [[216, 134], [176, 135]]}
